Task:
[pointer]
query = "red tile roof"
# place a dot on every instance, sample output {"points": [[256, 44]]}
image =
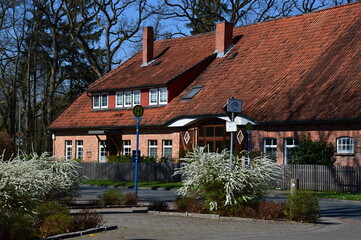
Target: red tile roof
{"points": [[302, 68]]}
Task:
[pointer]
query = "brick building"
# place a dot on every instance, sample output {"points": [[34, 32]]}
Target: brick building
{"points": [[296, 76]]}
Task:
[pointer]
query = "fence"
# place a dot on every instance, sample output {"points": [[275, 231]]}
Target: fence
{"points": [[311, 177]]}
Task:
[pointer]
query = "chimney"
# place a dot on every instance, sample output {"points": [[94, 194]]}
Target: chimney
{"points": [[148, 39], [224, 35]]}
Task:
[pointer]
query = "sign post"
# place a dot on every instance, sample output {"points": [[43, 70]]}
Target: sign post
{"points": [[249, 132], [138, 111], [233, 106]]}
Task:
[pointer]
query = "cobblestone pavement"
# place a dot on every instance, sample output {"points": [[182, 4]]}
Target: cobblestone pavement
{"points": [[155, 226]]}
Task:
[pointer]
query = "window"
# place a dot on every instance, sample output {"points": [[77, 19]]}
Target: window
{"points": [[270, 147], [290, 144], [153, 96], [127, 148], [189, 95], [102, 151], [68, 149], [104, 100], [79, 149], [214, 137], [167, 149], [345, 145], [96, 101], [153, 148], [128, 99], [163, 96], [136, 98], [119, 99]]}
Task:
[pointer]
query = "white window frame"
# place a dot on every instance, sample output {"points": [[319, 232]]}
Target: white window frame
{"points": [[167, 146], [153, 146], [140, 100], [345, 145], [166, 96], [102, 149], [119, 95], [273, 145], [127, 146], [99, 100], [289, 146], [79, 149], [68, 149], [129, 93], [154, 91]]}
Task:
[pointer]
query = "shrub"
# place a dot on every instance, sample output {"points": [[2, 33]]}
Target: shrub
{"points": [[130, 199], [158, 206], [302, 206], [111, 197], [86, 219], [17, 226], [190, 205], [313, 152], [210, 176], [47, 209], [268, 210], [56, 224], [27, 180]]}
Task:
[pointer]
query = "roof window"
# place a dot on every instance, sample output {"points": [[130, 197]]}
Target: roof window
{"points": [[191, 93]]}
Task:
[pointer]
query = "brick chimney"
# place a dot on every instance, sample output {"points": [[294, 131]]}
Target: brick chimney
{"points": [[148, 39], [224, 35]]}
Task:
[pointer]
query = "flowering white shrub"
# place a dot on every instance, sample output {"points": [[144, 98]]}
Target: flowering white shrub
{"points": [[210, 176], [26, 180]]}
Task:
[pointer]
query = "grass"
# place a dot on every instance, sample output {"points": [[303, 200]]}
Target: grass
{"points": [[339, 195], [131, 184]]}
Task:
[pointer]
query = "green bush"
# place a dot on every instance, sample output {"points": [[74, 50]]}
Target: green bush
{"points": [[17, 226], [130, 199], [111, 197], [313, 152], [56, 224], [302, 206], [192, 205], [47, 209]]}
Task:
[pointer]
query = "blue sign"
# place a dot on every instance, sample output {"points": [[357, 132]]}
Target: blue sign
{"points": [[135, 155]]}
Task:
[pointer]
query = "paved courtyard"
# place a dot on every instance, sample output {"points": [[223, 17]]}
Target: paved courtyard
{"points": [[155, 226]]}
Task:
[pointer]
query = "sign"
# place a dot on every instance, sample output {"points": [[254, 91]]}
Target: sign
{"points": [[19, 134], [19, 141], [231, 127], [234, 105], [240, 137], [138, 110], [135, 154], [249, 126]]}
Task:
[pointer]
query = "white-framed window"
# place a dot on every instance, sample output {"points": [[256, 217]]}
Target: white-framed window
{"points": [[127, 99], [167, 149], [153, 96], [152, 148], [345, 145], [102, 151], [270, 147], [136, 97], [163, 96], [119, 99], [104, 100], [127, 148], [68, 149], [96, 101], [79, 149], [290, 144]]}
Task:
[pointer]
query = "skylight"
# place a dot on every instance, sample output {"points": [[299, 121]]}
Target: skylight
{"points": [[191, 93]]}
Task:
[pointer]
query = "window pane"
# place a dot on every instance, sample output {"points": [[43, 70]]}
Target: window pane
{"points": [[153, 149], [210, 146], [136, 97], [96, 100], [201, 143], [201, 131], [127, 149], [128, 98], [104, 100], [219, 131], [119, 99], [219, 146], [210, 131], [79, 149], [153, 96], [163, 95]]}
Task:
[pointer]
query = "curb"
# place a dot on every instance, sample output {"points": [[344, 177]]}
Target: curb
{"points": [[144, 188], [81, 233]]}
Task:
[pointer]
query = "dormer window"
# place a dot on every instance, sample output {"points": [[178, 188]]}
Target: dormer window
{"points": [[128, 99], [136, 97], [100, 100], [158, 96], [119, 99]]}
